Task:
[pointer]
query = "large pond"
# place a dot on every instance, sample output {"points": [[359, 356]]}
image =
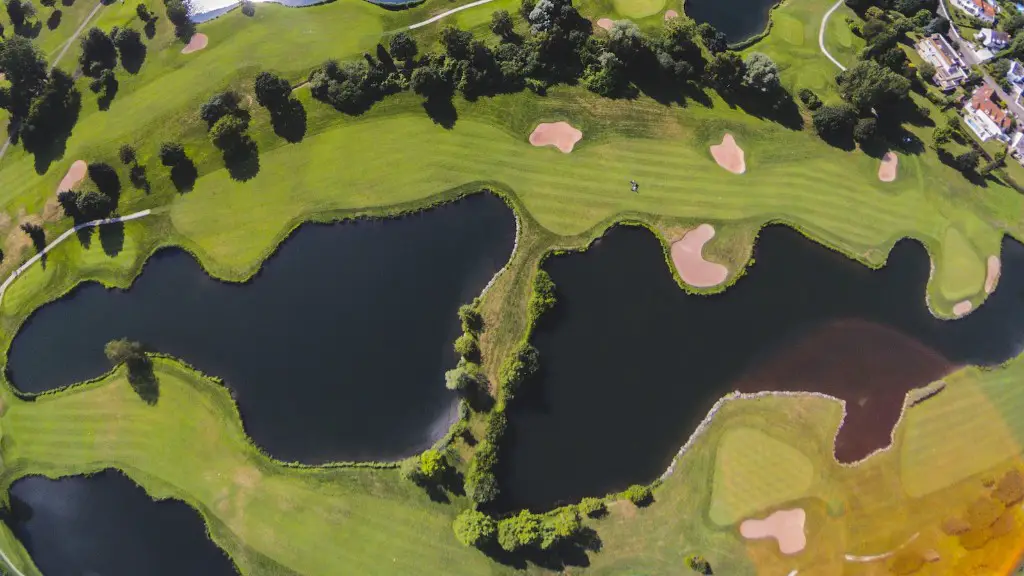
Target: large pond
{"points": [[335, 351], [737, 19], [105, 525], [630, 363]]}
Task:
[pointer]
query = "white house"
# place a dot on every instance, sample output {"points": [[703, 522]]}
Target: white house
{"points": [[985, 117], [1016, 72], [950, 71], [993, 39], [980, 9]]}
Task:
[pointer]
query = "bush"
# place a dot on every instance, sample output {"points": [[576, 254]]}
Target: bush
{"points": [[465, 377], [501, 23], [496, 426], [698, 564], [592, 507], [172, 154], [639, 495], [402, 46], [126, 154], [834, 121], [218, 106], [481, 485], [519, 366], [543, 297], [470, 317], [467, 345], [809, 98], [865, 130], [474, 528], [521, 531], [229, 133]]}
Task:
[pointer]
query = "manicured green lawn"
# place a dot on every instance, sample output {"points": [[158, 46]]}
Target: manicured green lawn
{"points": [[395, 158]]}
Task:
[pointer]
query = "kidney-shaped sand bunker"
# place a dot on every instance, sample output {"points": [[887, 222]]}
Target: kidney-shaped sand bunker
{"points": [[729, 155], [786, 526], [561, 135], [689, 260]]}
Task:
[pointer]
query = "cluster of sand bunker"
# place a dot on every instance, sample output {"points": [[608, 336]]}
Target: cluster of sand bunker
{"points": [[887, 168], [729, 155], [197, 43], [561, 135], [785, 526], [687, 255]]}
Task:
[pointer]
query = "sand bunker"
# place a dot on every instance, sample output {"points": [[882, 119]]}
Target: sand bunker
{"points": [[786, 526], [75, 174], [561, 135], [887, 169], [605, 23], [729, 155], [962, 308], [198, 42], [992, 275], [690, 263], [671, 14]]}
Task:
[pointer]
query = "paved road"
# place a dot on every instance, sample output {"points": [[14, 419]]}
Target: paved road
{"points": [[14, 275], [448, 13], [821, 34]]}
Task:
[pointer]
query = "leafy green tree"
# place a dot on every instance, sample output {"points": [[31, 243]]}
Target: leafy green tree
{"points": [[467, 345], [272, 91], [470, 318], [868, 85], [229, 133], [761, 74], [501, 23], [474, 528], [712, 39], [1013, 23], [433, 465], [98, 52], [520, 531], [402, 46], [25, 69], [926, 70], [91, 205], [725, 72], [834, 121], [456, 42], [52, 114], [543, 297], [122, 350], [220, 105], [48, 3], [865, 130], [639, 495], [465, 377], [566, 524], [19, 11], [429, 82], [126, 153], [942, 135], [968, 160], [592, 507], [625, 41], [129, 45], [809, 98], [172, 154]]}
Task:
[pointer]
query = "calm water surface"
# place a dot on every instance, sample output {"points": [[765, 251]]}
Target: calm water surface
{"points": [[105, 525], [630, 363], [335, 351], [737, 19]]}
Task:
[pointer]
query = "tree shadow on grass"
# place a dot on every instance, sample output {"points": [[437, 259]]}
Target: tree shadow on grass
{"points": [[150, 28], [290, 122], [112, 238], [570, 553], [441, 111], [84, 237], [53, 21], [142, 379]]}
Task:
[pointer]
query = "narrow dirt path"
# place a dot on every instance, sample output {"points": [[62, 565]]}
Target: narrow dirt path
{"points": [[821, 34]]}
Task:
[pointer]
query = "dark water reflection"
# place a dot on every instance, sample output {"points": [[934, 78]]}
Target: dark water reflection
{"points": [[630, 363], [335, 351], [737, 19], [105, 525]]}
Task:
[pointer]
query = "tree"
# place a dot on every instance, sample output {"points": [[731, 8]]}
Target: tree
{"points": [[19, 11], [926, 70], [98, 52], [126, 154], [834, 121], [48, 3], [465, 377], [52, 114], [474, 528], [592, 507], [470, 317], [865, 130], [698, 564], [229, 133], [869, 85], [122, 350], [467, 345], [172, 154], [36, 233], [521, 531], [608, 78], [625, 41], [129, 45], [25, 69], [967, 161], [143, 12], [177, 13], [762, 74], [91, 205], [726, 71], [403, 46], [942, 135], [272, 91], [428, 82], [219, 105], [501, 23], [712, 39], [433, 465], [565, 525], [1013, 24], [456, 42]]}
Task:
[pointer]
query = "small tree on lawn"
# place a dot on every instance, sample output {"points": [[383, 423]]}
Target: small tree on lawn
{"points": [[474, 528]]}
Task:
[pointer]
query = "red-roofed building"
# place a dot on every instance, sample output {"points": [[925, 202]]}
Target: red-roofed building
{"points": [[986, 117], [980, 9]]}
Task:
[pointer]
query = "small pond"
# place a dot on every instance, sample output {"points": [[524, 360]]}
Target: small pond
{"points": [[335, 351], [106, 525], [630, 363], [737, 19]]}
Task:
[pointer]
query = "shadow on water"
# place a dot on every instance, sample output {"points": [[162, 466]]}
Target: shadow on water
{"points": [[105, 524], [335, 351], [630, 363]]}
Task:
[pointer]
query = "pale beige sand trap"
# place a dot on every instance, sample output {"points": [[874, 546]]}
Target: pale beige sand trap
{"points": [[992, 275], [198, 42], [962, 308], [786, 526], [561, 135], [887, 169], [690, 263], [729, 155], [671, 14], [75, 174], [605, 23]]}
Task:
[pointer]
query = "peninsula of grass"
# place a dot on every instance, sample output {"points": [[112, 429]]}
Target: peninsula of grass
{"points": [[394, 158]]}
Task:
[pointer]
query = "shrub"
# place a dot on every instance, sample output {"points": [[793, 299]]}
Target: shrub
{"points": [[519, 366], [809, 98], [543, 297], [638, 495], [126, 154], [481, 485], [172, 154], [496, 426], [698, 564], [465, 377], [592, 507], [467, 345], [218, 106], [521, 531], [501, 23], [474, 528], [470, 317]]}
